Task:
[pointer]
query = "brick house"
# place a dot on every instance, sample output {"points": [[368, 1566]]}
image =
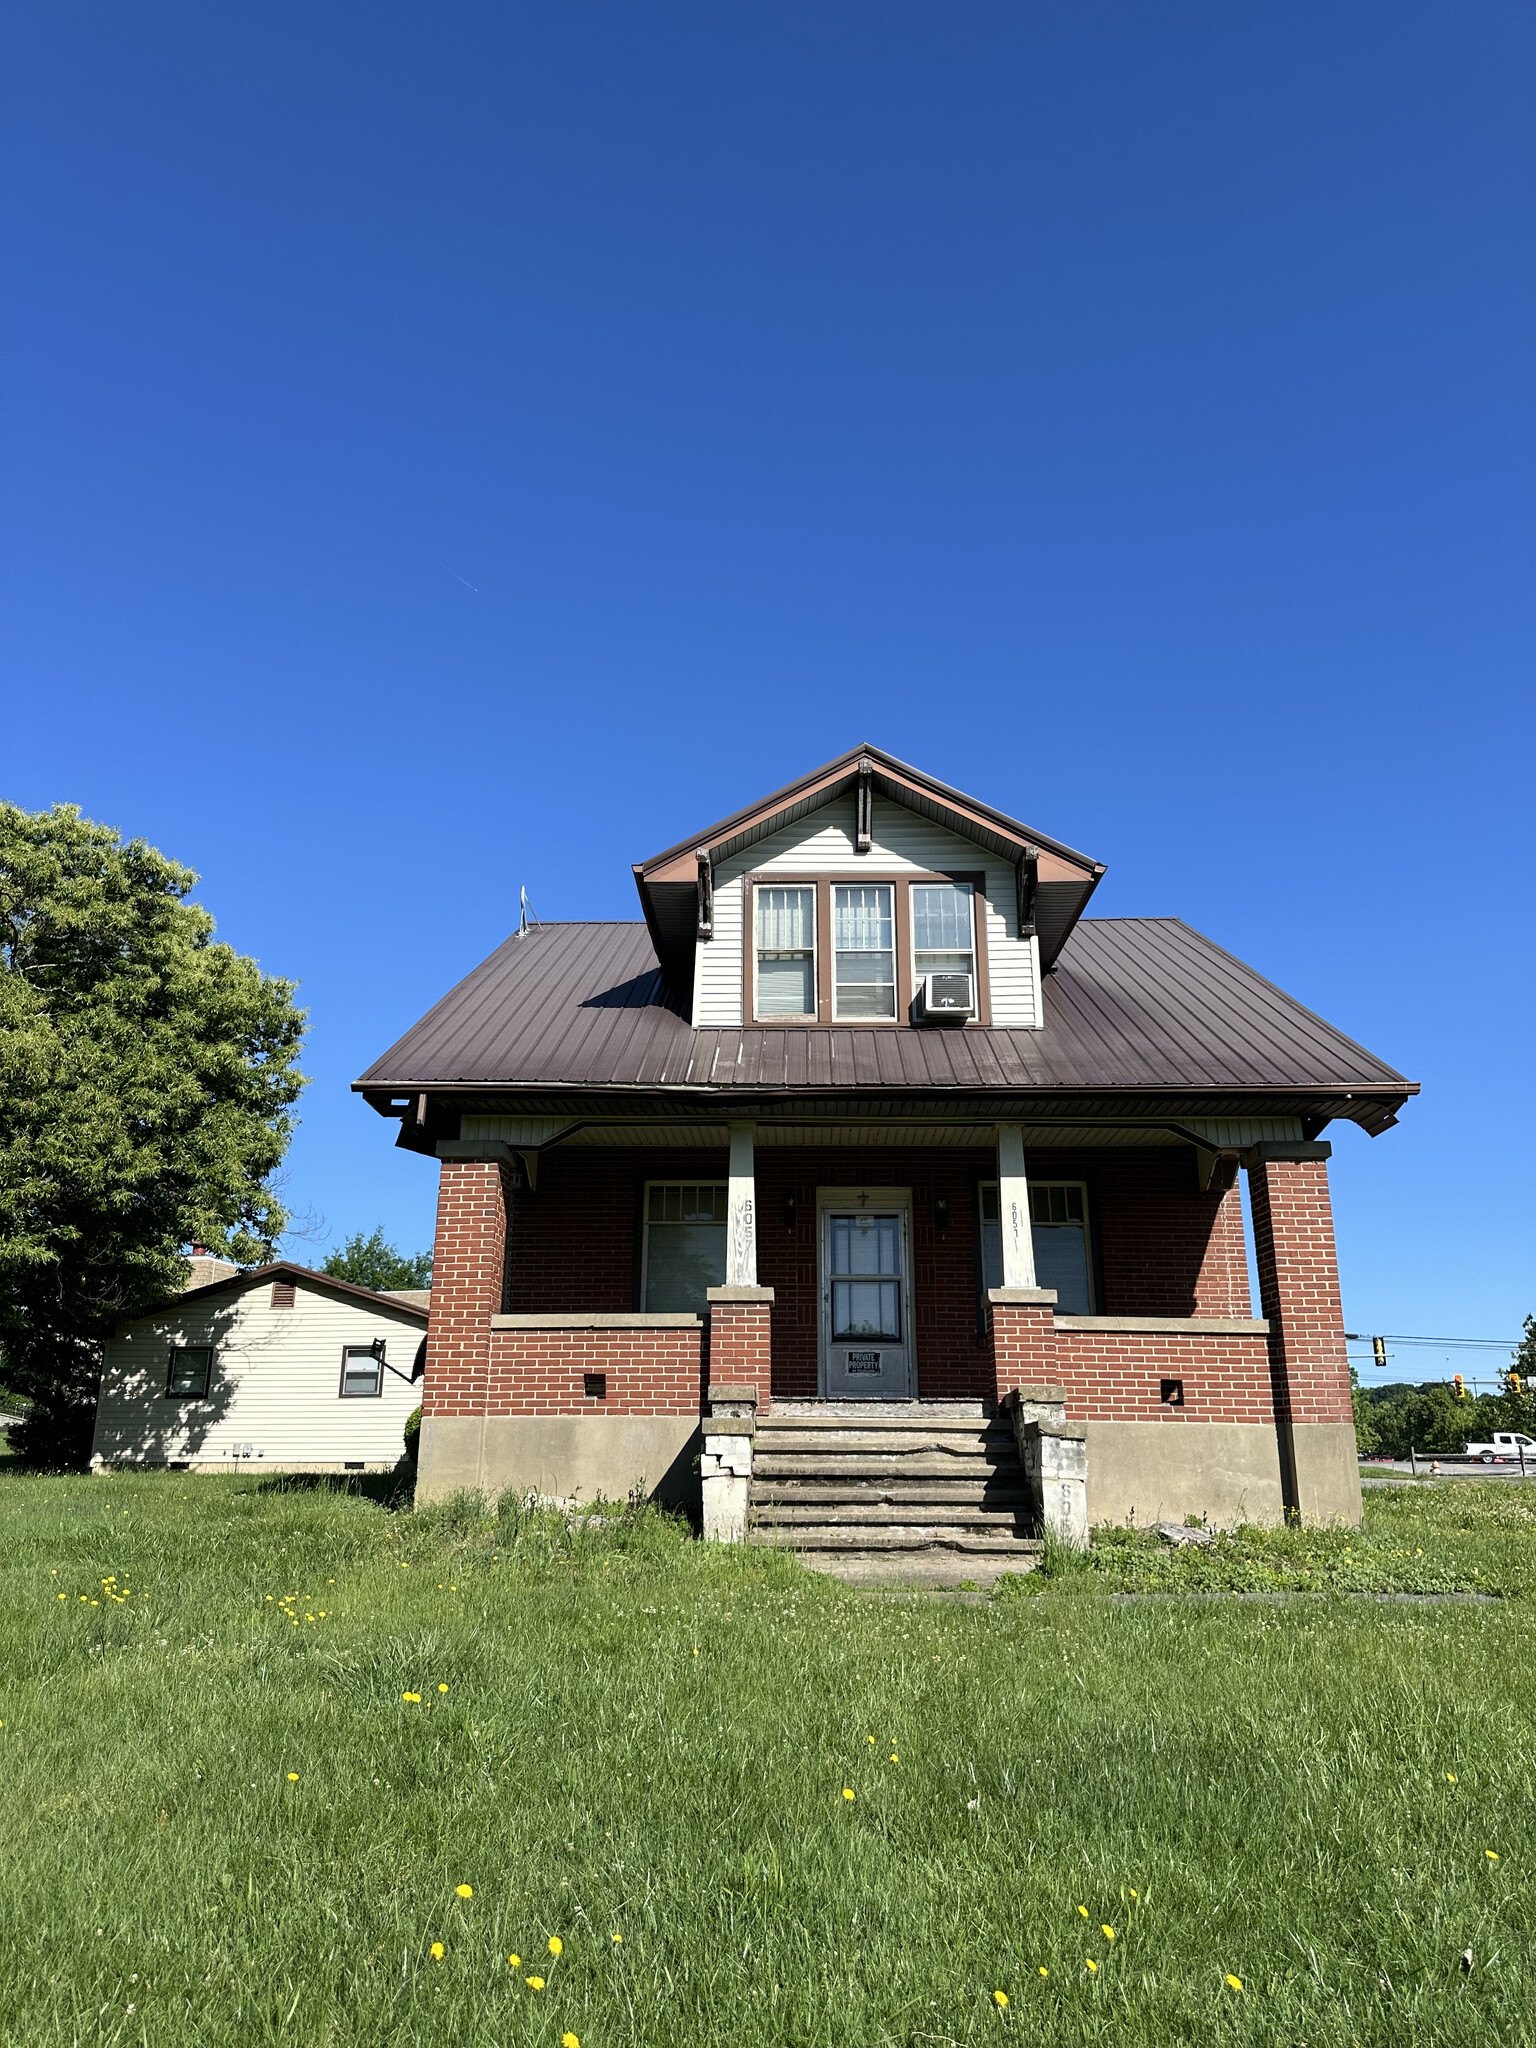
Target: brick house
{"points": [[869, 1179]]}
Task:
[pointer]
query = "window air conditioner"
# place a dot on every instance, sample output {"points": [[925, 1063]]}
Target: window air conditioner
{"points": [[946, 998]]}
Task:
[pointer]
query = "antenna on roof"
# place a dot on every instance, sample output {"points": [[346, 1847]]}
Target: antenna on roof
{"points": [[530, 917]]}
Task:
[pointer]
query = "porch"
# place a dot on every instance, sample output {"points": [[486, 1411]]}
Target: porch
{"points": [[617, 1308]]}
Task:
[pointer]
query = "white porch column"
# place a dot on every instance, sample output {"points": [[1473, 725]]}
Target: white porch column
{"points": [[741, 1210], [1018, 1244]]}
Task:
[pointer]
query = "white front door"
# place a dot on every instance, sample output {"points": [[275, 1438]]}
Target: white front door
{"points": [[866, 1297]]}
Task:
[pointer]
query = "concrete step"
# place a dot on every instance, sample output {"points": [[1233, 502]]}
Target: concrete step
{"points": [[912, 1536], [877, 1514], [876, 1465], [900, 1443], [882, 1415], [1002, 1490]]}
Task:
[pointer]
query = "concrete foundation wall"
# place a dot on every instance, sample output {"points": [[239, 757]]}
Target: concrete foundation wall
{"points": [[1162, 1471], [1327, 1473], [562, 1457]]}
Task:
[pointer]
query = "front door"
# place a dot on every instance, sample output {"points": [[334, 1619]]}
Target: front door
{"points": [[866, 1297]]}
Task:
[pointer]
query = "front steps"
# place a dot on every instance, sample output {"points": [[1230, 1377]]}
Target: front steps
{"points": [[902, 1493]]}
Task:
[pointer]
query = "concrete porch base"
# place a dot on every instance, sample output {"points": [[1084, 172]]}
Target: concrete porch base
{"points": [[560, 1457]]}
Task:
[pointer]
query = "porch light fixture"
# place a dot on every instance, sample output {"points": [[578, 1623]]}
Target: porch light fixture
{"points": [[787, 1210], [941, 1212]]}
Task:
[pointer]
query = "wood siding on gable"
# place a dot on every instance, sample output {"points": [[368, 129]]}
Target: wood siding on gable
{"points": [[275, 1384], [903, 843]]}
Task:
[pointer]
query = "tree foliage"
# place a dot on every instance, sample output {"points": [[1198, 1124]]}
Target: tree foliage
{"points": [[146, 1079], [374, 1262], [1430, 1420]]}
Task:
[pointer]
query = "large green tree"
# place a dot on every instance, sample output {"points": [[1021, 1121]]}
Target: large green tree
{"points": [[375, 1262], [147, 1075]]}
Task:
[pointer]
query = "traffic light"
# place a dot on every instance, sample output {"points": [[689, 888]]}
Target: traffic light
{"points": [[1379, 1350], [1461, 1387], [1514, 1383]]}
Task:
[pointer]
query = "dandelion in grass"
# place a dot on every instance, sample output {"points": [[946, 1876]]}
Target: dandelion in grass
{"points": [[1083, 1911], [437, 1951], [1135, 1894], [1000, 2000], [556, 1945], [848, 1792], [413, 1697], [1492, 1855], [1450, 1777], [516, 1962], [1107, 1931], [293, 1777], [1093, 1968], [534, 1983], [465, 1891], [1044, 1971], [895, 1759], [1234, 1983], [569, 2041], [618, 1939], [442, 1688]]}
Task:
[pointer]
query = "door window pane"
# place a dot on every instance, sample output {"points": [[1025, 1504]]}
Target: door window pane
{"points": [[786, 952], [864, 951], [866, 1277], [684, 1245], [942, 940]]}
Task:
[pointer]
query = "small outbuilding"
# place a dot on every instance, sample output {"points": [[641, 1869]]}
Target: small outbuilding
{"points": [[278, 1366]]}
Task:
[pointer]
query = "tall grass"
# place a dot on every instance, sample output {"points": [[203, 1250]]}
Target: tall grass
{"points": [[224, 1823]]}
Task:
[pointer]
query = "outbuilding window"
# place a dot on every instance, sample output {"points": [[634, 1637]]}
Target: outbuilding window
{"points": [[189, 1372], [683, 1254], [362, 1371], [1058, 1216]]}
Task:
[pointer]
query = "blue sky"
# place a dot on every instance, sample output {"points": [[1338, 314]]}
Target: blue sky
{"points": [[453, 448]]}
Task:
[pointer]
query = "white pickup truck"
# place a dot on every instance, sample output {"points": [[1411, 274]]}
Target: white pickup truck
{"points": [[1507, 1443]]}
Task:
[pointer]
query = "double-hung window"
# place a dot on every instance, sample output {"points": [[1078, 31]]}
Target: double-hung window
{"points": [[362, 1371], [863, 951], [189, 1372], [683, 1255], [786, 951], [1058, 1217], [943, 930]]}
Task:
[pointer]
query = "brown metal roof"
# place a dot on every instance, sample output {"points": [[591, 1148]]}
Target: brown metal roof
{"points": [[1136, 1006]]}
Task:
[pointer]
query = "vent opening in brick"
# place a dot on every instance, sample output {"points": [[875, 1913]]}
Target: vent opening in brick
{"points": [[1173, 1393], [595, 1385]]}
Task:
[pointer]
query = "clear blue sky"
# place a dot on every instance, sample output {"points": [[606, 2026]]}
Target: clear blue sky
{"points": [[461, 446]]}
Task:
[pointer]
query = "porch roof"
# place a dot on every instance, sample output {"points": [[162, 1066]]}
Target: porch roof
{"points": [[1142, 1011]]}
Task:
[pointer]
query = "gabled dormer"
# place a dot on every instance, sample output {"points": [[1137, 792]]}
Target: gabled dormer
{"points": [[864, 894]]}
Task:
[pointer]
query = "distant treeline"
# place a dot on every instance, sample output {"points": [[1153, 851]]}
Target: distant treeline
{"points": [[1391, 1421]]}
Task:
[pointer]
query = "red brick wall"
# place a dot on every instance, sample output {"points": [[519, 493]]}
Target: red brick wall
{"points": [[1165, 1248], [1299, 1288], [649, 1372], [1114, 1376], [740, 1347], [466, 1286]]}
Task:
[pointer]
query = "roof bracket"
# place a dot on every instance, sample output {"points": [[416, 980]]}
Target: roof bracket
{"points": [[863, 835], [706, 875], [1027, 873]]}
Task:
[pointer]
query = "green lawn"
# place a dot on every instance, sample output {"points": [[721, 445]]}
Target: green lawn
{"points": [[225, 1822]]}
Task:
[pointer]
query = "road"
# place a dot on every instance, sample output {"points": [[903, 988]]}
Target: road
{"points": [[1446, 1468]]}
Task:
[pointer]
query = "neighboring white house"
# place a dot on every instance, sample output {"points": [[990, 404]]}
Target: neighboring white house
{"points": [[280, 1367]]}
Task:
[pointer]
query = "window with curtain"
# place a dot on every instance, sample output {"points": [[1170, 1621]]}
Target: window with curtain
{"points": [[684, 1251], [786, 952], [864, 951], [943, 931], [1058, 1228], [866, 1277]]}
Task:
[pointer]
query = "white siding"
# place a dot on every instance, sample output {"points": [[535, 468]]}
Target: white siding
{"points": [[275, 1383], [902, 843]]}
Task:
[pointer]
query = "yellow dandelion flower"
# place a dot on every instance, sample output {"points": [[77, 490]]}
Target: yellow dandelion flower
{"points": [[618, 1938], [413, 1697], [1450, 1777], [293, 1777], [1093, 1968], [848, 1792], [534, 1983], [1108, 1932], [442, 1688], [556, 1945], [1044, 1971], [1084, 1911], [465, 1891], [1235, 1982], [1492, 1855], [1000, 2000], [436, 1951], [870, 1740], [895, 1759], [569, 2041], [1135, 1895], [63, 1596], [515, 1961]]}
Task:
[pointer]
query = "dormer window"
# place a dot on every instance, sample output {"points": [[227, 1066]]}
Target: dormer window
{"points": [[786, 952], [943, 930], [863, 951]]}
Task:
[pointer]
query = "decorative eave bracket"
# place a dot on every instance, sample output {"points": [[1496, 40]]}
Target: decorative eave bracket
{"points": [[1027, 876], [706, 884], [863, 836]]}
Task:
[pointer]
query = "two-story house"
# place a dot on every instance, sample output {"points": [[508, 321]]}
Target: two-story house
{"points": [[865, 1164]]}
